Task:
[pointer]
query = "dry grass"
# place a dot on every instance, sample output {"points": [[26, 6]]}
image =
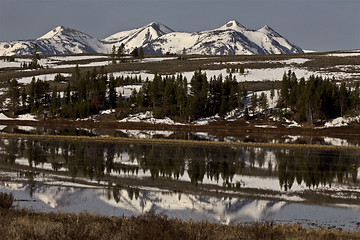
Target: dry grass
{"points": [[178, 142], [24, 224]]}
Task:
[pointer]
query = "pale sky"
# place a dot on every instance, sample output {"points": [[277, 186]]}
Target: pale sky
{"points": [[321, 25]]}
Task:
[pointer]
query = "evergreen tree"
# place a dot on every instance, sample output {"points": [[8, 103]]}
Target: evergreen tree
{"points": [[141, 52], [253, 103], [113, 55], [263, 102], [55, 103], [198, 95], [121, 50], [246, 114], [112, 92], [343, 98], [135, 52], [14, 95], [272, 93], [169, 97], [23, 98]]}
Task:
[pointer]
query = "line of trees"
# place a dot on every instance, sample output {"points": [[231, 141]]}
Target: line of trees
{"points": [[87, 94], [170, 96], [175, 97], [318, 98]]}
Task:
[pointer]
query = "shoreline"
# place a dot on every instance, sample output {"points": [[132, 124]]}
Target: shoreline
{"points": [[26, 224], [177, 142]]}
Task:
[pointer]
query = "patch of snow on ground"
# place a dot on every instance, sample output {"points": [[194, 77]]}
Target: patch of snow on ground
{"points": [[157, 59], [145, 133], [4, 117], [75, 58], [108, 111], [44, 77], [127, 90], [26, 128], [349, 54], [295, 61], [148, 117], [341, 121], [20, 117], [265, 126], [143, 75], [336, 141], [27, 116]]}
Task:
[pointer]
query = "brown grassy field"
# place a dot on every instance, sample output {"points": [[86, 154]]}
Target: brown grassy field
{"points": [[178, 141], [25, 224], [317, 61]]}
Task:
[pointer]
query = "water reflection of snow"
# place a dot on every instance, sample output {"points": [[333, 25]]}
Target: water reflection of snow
{"points": [[133, 202]]}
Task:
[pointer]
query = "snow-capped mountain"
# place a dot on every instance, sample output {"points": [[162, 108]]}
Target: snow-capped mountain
{"points": [[231, 38], [156, 38], [138, 37], [60, 40]]}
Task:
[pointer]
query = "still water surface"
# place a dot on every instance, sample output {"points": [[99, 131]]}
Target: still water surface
{"points": [[222, 184]]}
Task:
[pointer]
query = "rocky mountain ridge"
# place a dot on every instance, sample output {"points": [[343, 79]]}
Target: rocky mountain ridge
{"points": [[156, 38]]}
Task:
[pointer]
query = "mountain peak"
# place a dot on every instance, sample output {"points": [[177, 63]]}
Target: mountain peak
{"points": [[161, 28], [233, 25], [60, 30], [268, 30]]}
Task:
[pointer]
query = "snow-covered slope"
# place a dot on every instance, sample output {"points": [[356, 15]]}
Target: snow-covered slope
{"points": [[231, 38], [138, 37], [60, 40]]}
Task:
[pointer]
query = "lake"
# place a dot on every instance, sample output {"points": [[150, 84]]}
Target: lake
{"points": [[314, 187]]}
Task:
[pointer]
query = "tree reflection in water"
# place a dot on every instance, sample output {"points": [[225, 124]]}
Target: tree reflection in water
{"points": [[99, 161]]}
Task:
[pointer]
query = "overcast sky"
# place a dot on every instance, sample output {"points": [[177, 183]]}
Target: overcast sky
{"points": [[320, 25]]}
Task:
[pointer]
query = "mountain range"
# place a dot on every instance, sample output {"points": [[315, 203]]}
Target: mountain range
{"points": [[156, 38]]}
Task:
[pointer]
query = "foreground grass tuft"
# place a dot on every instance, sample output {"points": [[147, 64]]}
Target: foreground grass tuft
{"points": [[6, 200], [25, 224]]}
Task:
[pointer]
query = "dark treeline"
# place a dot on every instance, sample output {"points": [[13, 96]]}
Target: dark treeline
{"points": [[318, 98], [98, 160], [173, 96], [87, 94], [170, 96]]}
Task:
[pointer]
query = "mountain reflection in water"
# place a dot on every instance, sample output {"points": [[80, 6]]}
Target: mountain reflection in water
{"points": [[220, 184]]}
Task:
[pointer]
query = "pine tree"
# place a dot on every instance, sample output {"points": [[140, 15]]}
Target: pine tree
{"points": [[253, 102], [23, 98], [121, 50], [135, 52], [343, 98], [35, 57], [198, 95], [113, 55], [141, 52], [263, 102], [32, 95], [14, 95], [55, 103], [112, 92], [246, 114], [272, 93]]}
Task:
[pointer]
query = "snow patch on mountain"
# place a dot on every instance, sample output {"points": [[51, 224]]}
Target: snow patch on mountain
{"points": [[156, 38], [60, 40], [231, 38], [137, 37]]}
